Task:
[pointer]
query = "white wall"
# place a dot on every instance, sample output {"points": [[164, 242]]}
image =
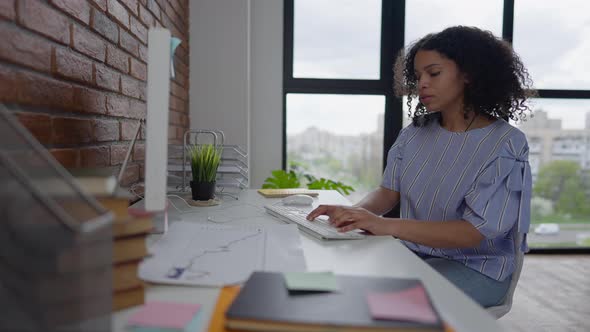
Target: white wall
{"points": [[236, 68]]}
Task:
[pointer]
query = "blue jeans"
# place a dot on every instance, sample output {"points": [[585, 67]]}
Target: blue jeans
{"points": [[482, 289]]}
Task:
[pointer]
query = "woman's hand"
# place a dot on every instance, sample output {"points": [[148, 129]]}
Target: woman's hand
{"points": [[347, 218]]}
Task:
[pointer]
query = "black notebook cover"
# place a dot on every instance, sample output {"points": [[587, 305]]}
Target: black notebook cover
{"points": [[264, 298]]}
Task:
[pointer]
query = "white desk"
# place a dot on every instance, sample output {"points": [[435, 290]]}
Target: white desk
{"points": [[375, 256]]}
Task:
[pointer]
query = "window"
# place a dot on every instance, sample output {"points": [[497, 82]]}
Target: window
{"points": [[559, 139], [338, 137], [338, 94], [338, 60], [340, 41], [427, 16], [552, 39]]}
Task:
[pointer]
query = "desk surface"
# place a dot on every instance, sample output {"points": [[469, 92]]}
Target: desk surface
{"points": [[375, 256]]}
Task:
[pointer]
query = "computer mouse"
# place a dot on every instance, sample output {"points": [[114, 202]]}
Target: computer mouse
{"points": [[297, 200]]}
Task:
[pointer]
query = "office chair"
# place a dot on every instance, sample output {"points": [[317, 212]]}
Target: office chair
{"points": [[504, 307]]}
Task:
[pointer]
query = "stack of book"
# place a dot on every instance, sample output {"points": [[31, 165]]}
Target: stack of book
{"points": [[51, 276], [129, 248], [129, 235]]}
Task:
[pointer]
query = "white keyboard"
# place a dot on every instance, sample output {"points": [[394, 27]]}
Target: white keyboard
{"points": [[320, 228]]}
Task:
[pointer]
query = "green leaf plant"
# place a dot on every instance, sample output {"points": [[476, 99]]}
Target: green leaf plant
{"points": [[281, 179]]}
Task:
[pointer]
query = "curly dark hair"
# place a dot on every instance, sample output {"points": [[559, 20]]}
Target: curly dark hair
{"points": [[499, 84]]}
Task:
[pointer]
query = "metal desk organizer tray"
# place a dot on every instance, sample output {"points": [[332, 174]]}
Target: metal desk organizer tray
{"points": [[232, 174]]}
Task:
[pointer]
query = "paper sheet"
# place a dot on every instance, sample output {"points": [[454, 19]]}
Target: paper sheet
{"points": [[215, 255]]}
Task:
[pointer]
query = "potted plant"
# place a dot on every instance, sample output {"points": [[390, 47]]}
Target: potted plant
{"points": [[205, 159]]}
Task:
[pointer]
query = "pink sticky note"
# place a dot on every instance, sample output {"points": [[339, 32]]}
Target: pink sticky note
{"points": [[409, 304], [164, 315]]}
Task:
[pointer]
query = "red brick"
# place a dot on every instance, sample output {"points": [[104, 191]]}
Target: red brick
{"points": [[138, 29], [71, 65], [153, 6], [45, 20], [118, 12], [139, 152], [143, 53], [79, 9], [88, 43], [161, 3], [132, 5], [107, 78], [104, 26], [38, 124], [138, 69], [98, 156], [117, 105], [128, 42], [118, 153], [24, 48], [177, 104], [146, 16], [169, 24], [142, 132], [180, 78], [68, 158], [39, 90], [138, 109], [141, 172], [72, 131], [105, 130], [178, 91], [131, 175], [101, 4], [132, 87], [7, 10], [179, 65], [8, 84], [174, 17], [177, 6], [128, 130], [117, 58], [125, 107], [179, 134], [174, 118], [89, 101]]}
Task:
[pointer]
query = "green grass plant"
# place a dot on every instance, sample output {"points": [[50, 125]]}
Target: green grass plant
{"points": [[205, 159]]}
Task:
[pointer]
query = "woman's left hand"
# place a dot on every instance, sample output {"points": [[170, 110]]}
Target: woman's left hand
{"points": [[347, 218]]}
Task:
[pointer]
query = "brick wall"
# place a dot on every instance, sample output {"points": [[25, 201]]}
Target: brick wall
{"points": [[78, 69]]}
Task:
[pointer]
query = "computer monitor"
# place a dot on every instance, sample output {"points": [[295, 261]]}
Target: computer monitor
{"points": [[161, 46]]}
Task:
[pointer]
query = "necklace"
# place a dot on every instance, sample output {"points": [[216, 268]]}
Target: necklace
{"points": [[470, 123]]}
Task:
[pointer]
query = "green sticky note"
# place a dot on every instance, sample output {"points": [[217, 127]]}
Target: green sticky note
{"points": [[311, 281]]}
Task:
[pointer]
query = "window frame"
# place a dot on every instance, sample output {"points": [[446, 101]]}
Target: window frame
{"points": [[392, 41]]}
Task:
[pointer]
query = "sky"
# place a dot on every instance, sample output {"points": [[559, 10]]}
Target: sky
{"points": [[342, 41]]}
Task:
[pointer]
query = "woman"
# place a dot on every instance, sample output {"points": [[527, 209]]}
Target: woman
{"points": [[460, 172]]}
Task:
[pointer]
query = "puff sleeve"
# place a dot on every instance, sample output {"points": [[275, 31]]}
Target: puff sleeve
{"points": [[392, 171], [500, 197]]}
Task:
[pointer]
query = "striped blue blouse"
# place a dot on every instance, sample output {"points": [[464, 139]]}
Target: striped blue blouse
{"points": [[482, 176]]}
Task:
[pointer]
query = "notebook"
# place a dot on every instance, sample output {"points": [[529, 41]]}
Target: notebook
{"points": [[265, 304]]}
